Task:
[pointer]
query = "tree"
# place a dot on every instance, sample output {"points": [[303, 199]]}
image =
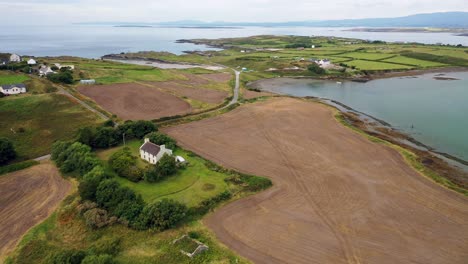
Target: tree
{"points": [[88, 185], [162, 215], [7, 151], [105, 137], [124, 164], [165, 167], [315, 68], [159, 138], [61, 77], [86, 135], [142, 127], [110, 195]]}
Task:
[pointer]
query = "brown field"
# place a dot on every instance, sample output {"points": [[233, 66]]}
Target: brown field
{"points": [[247, 94], [337, 196], [27, 197], [131, 101], [197, 86]]}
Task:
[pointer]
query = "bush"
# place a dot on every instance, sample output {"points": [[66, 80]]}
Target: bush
{"points": [[67, 257], [162, 215], [65, 77], [315, 68], [124, 164], [7, 151], [73, 157], [136, 129], [165, 167], [105, 137], [110, 195], [159, 138], [96, 218], [98, 259]]}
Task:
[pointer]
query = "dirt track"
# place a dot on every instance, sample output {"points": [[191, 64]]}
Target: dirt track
{"points": [[337, 197], [27, 197], [131, 101]]}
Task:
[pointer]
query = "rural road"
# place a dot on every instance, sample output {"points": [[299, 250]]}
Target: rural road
{"points": [[85, 105], [235, 98], [45, 157]]}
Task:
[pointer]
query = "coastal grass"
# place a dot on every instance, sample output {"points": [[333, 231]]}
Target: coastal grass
{"points": [[366, 55], [409, 157], [34, 122], [414, 62], [377, 66], [190, 185]]}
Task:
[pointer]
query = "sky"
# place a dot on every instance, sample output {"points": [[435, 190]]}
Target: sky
{"points": [[45, 12]]}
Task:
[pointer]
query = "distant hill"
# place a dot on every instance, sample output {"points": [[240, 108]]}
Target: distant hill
{"points": [[436, 20]]}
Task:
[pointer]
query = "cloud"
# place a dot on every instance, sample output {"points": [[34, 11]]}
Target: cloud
{"points": [[55, 11]]}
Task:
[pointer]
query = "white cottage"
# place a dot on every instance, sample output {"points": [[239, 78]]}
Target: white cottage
{"points": [[13, 89], [32, 62], [15, 58], [152, 152]]}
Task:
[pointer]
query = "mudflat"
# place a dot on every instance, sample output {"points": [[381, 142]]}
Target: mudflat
{"points": [[337, 196], [27, 197]]}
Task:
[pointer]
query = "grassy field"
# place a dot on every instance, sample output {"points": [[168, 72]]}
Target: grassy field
{"points": [[34, 122], [66, 230], [415, 62], [189, 186], [12, 78], [374, 65]]}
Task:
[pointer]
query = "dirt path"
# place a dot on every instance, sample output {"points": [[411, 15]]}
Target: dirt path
{"points": [[27, 197], [337, 197]]}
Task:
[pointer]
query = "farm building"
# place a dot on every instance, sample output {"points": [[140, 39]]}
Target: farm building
{"points": [[15, 58], [32, 62], [13, 89], [45, 70], [88, 82], [152, 152], [58, 65]]}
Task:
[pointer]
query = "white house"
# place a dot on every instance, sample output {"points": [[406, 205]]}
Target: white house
{"points": [[15, 58], [58, 65], [13, 89], [32, 62], [45, 70], [152, 152], [324, 63]]}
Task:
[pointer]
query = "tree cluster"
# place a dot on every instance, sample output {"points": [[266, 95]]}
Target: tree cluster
{"points": [[159, 138], [7, 151], [125, 165], [63, 76], [165, 167], [315, 68], [107, 135]]}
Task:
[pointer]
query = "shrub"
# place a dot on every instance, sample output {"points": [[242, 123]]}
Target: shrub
{"points": [[315, 69], [110, 195], [17, 166], [162, 215], [7, 151], [165, 167], [159, 138], [98, 259], [136, 129], [105, 137], [65, 77], [67, 257], [124, 164], [71, 157], [88, 185], [129, 210], [97, 218]]}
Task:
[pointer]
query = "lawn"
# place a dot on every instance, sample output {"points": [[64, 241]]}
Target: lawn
{"points": [[189, 186], [34, 122], [7, 77], [366, 55]]}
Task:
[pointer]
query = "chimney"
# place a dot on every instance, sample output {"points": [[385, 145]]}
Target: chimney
{"points": [[146, 140], [163, 147]]}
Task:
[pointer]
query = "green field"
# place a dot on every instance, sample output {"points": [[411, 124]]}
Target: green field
{"points": [[189, 186], [34, 122], [375, 65], [366, 55], [12, 78], [415, 62]]}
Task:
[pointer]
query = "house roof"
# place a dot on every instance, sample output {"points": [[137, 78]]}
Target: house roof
{"points": [[151, 148], [8, 87]]}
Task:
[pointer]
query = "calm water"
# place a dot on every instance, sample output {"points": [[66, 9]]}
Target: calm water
{"points": [[434, 112], [96, 41]]}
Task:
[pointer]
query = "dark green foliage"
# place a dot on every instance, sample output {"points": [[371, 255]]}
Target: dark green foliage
{"points": [[129, 210], [98, 259], [124, 164], [105, 137], [298, 45], [96, 218], [136, 129], [17, 166], [7, 151], [110, 194], [108, 123], [74, 157], [165, 167], [88, 185], [209, 204], [162, 215], [159, 138], [250, 182], [315, 68], [86, 135], [67, 257], [65, 77]]}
